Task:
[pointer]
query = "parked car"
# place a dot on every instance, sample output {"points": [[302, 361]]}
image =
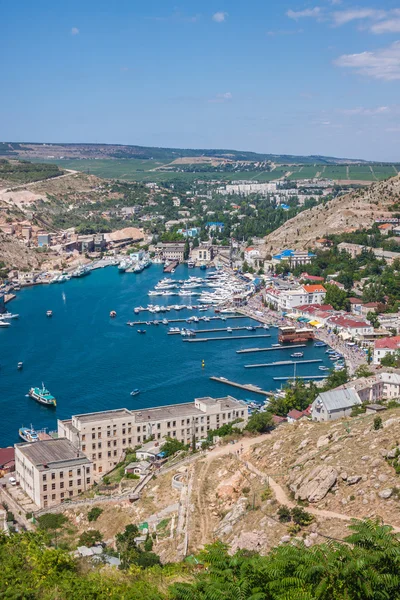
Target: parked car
{"points": [[12, 481]]}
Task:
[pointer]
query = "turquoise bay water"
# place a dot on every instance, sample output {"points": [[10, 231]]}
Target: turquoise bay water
{"points": [[90, 362]]}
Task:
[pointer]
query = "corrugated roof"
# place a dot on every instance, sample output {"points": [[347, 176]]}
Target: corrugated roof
{"points": [[338, 399]]}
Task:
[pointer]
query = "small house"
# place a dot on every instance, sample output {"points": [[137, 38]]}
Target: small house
{"points": [[141, 468]]}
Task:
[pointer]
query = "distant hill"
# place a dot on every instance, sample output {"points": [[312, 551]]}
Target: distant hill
{"points": [[34, 150], [345, 213]]}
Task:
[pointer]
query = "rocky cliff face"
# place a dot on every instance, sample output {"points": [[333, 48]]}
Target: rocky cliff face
{"points": [[354, 211]]}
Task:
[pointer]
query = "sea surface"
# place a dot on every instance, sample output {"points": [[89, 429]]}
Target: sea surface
{"points": [[91, 362]]}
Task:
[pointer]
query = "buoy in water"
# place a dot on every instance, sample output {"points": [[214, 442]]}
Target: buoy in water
{"points": [[203, 364]]}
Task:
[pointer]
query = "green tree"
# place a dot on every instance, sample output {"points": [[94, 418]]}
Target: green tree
{"points": [[377, 423], [94, 513], [363, 371], [260, 422], [172, 446], [90, 537], [335, 297]]}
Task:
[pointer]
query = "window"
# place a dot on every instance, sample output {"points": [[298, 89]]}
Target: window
{"points": [[87, 479], [87, 469], [183, 422], [138, 428], [71, 483], [129, 429], [115, 453], [83, 448], [123, 432], [129, 441], [99, 455], [108, 433], [169, 424], [44, 477], [173, 423], [78, 472], [115, 442], [100, 469], [93, 436], [53, 496], [158, 436], [138, 438], [61, 485], [124, 442], [99, 445], [53, 475], [44, 497], [158, 425], [45, 487], [83, 437], [93, 446], [99, 435], [79, 481], [108, 444], [70, 473], [109, 453], [62, 495], [53, 486], [93, 457]]}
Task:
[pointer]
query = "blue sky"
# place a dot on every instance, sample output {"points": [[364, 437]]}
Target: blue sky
{"points": [[295, 77]]}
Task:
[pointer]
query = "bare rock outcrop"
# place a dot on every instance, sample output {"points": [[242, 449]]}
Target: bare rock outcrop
{"points": [[314, 486]]}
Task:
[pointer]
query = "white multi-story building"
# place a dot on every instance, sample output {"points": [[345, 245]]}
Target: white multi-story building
{"points": [[52, 471], [302, 296], [105, 436], [387, 345]]}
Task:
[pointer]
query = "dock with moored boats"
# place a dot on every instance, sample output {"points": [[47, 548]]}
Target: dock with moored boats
{"points": [[227, 337], [217, 330], [249, 387], [189, 321]]}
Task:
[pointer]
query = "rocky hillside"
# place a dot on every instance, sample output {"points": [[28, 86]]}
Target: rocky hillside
{"points": [[14, 254], [354, 211], [335, 471]]}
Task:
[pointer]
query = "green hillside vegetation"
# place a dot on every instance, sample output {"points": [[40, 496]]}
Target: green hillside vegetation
{"points": [[364, 566], [27, 172]]}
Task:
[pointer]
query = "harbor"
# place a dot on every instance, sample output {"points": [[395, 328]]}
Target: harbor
{"points": [[92, 362], [282, 363]]}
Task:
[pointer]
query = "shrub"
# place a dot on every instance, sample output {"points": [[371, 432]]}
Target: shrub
{"points": [[377, 423], [51, 521], [94, 513], [301, 517], [246, 490], [89, 538], [284, 514]]}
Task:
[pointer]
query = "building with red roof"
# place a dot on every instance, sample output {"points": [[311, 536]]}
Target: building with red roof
{"points": [[350, 325], [311, 277], [384, 346], [7, 460]]}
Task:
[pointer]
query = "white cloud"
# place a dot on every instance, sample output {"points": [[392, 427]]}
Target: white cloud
{"points": [[219, 17], [380, 64], [314, 13], [363, 111], [346, 16], [74, 31], [219, 98], [387, 26]]}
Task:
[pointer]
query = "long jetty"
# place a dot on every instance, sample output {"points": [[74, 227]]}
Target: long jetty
{"points": [[281, 363], [227, 337], [160, 322], [169, 268], [300, 377], [248, 350], [215, 330], [249, 387]]}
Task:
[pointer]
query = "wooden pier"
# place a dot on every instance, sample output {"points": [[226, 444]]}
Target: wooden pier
{"points": [[249, 387], [281, 363], [248, 350], [227, 337]]}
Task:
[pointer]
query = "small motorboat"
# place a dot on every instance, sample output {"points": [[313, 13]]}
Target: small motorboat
{"points": [[324, 368], [229, 330], [297, 354], [319, 344], [141, 331], [276, 345], [28, 434], [113, 314], [20, 365], [135, 392], [4, 324], [49, 313]]}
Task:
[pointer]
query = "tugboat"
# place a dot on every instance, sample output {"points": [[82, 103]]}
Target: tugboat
{"points": [[42, 396], [28, 435], [135, 392]]}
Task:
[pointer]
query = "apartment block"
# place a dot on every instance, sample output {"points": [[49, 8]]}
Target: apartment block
{"points": [[52, 471], [105, 436]]}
